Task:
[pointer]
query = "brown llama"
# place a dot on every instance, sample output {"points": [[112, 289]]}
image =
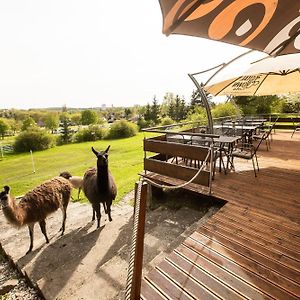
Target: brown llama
{"points": [[36, 205], [99, 186]]}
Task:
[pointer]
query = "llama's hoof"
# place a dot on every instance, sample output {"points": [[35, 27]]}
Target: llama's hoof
{"points": [[28, 251], [110, 219]]}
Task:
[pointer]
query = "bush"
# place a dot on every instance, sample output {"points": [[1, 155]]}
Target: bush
{"points": [[224, 110], [92, 133], [122, 129], [142, 123], [34, 139], [167, 121]]}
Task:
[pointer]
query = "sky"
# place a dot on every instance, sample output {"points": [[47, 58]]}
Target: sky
{"points": [[92, 53]]}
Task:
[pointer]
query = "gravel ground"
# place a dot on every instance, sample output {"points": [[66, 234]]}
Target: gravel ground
{"points": [[13, 280]]}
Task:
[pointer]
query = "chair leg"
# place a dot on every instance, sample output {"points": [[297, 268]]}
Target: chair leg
{"points": [[254, 167], [257, 162], [293, 132]]}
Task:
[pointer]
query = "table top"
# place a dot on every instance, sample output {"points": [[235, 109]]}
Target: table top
{"points": [[188, 138], [243, 127]]}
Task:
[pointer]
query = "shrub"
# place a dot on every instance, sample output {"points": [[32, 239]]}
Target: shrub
{"points": [[92, 133], [224, 110], [142, 123], [122, 129], [167, 121], [34, 139]]}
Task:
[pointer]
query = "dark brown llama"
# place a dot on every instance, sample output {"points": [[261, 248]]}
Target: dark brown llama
{"points": [[99, 186], [36, 205]]}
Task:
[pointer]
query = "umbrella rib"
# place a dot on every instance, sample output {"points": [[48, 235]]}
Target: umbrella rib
{"points": [[183, 17], [266, 75]]}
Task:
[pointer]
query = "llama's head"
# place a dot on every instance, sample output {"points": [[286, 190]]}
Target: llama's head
{"points": [[102, 156], [4, 196], [65, 174]]}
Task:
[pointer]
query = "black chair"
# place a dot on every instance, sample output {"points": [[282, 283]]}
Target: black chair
{"points": [[248, 151], [266, 135], [296, 127]]}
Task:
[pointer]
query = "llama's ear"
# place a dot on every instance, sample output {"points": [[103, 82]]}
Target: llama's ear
{"points": [[6, 189], [95, 152], [106, 151]]}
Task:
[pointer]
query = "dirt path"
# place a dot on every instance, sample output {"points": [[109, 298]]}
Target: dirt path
{"points": [[92, 264]]}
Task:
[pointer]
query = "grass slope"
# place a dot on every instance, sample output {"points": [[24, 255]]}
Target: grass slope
{"points": [[125, 162]]}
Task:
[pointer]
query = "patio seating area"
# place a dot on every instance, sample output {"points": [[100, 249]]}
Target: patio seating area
{"points": [[250, 248]]}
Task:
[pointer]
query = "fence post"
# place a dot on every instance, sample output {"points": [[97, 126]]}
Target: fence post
{"points": [[1, 152], [134, 277], [33, 167]]}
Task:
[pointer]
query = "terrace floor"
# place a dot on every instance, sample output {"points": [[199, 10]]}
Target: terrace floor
{"points": [[250, 249]]}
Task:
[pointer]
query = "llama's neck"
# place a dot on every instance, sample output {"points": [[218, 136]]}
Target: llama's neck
{"points": [[12, 212], [102, 178]]}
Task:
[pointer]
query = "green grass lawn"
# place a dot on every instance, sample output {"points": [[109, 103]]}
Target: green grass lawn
{"points": [[125, 162]]}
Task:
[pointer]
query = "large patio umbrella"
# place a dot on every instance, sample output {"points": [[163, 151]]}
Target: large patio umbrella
{"points": [[269, 76], [271, 26]]}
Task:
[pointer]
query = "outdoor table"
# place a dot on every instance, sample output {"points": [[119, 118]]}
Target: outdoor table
{"points": [[226, 145]]}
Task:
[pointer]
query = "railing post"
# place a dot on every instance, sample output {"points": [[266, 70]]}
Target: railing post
{"points": [[134, 277]]}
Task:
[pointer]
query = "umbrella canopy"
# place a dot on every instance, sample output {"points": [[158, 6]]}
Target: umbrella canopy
{"points": [[269, 76], [272, 26]]}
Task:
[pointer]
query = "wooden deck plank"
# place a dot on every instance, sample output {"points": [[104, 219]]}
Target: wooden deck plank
{"points": [[201, 276], [265, 260], [250, 216], [168, 288], [235, 236], [242, 266], [252, 282], [149, 292], [270, 241], [251, 247], [188, 283]]}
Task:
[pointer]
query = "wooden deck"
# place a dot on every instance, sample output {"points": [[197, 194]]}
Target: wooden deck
{"points": [[250, 249]]}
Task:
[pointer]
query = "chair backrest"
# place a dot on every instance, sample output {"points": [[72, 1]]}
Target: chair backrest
{"points": [[271, 128], [263, 137]]}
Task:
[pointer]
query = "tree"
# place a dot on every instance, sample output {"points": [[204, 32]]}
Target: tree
{"points": [[88, 117], [127, 113], [15, 125], [179, 109], [66, 132], [251, 105], [171, 111], [3, 127], [147, 115], [155, 111], [76, 118], [28, 123], [52, 121]]}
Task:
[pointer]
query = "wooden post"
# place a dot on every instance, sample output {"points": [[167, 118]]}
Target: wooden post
{"points": [[134, 277]]}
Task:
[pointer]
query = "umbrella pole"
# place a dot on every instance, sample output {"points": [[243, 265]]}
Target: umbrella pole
{"points": [[205, 103]]}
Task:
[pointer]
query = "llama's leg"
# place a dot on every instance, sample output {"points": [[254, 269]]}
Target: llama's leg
{"points": [[108, 204], [93, 218], [79, 190], [30, 227], [105, 207], [43, 229], [96, 207], [64, 212]]}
